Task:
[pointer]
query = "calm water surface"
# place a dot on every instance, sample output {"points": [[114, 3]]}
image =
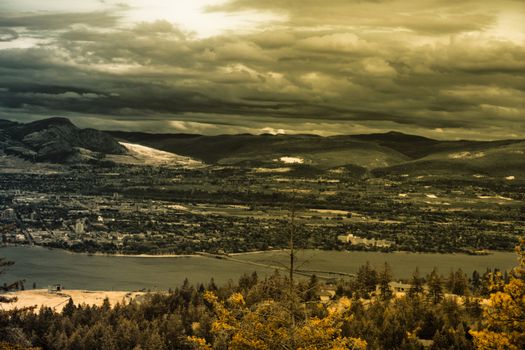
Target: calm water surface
{"points": [[78, 271]]}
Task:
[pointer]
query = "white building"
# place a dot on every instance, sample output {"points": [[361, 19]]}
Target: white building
{"points": [[80, 227], [355, 240]]}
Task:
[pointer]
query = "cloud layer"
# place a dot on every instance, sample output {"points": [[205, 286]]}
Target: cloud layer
{"points": [[440, 68]]}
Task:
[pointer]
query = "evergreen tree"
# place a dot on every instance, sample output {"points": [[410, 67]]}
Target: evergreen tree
{"points": [[450, 338], [366, 280], [311, 289], [3, 266], [154, 341], [69, 308], [450, 282], [392, 331], [416, 283], [475, 282], [246, 282], [385, 277], [435, 287], [461, 283], [457, 282]]}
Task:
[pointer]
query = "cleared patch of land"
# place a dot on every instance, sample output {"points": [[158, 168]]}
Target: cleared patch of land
{"points": [[57, 300], [143, 155]]}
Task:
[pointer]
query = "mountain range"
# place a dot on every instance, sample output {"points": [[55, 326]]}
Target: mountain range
{"points": [[58, 140], [380, 154]]}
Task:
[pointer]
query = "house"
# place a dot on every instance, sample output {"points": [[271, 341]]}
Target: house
{"points": [[324, 296], [395, 287], [326, 293], [55, 288], [80, 226], [400, 287]]}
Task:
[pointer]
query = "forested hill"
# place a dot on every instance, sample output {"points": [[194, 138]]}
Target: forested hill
{"points": [[369, 312], [387, 153], [393, 153]]}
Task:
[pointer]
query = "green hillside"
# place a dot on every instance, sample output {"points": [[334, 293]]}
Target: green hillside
{"points": [[383, 154]]}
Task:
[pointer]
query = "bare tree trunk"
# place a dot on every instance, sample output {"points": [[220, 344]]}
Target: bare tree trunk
{"points": [[292, 260]]}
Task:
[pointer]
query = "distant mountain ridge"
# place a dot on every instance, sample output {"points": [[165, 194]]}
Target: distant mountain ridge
{"points": [[382, 154], [55, 140], [392, 153]]}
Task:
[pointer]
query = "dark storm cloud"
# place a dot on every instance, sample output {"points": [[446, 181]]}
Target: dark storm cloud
{"points": [[331, 67], [7, 35]]}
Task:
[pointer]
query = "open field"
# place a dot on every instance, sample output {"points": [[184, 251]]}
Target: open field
{"points": [[57, 300]]}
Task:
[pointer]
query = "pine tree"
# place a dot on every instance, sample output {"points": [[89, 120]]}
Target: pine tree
{"points": [[385, 277], [475, 282], [154, 341], [435, 287], [450, 282], [69, 308], [312, 288], [457, 282], [392, 331], [366, 280], [416, 284], [3, 266]]}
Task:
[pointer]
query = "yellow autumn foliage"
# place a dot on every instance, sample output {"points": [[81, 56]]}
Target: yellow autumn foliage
{"points": [[504, 314], [267, 326]]}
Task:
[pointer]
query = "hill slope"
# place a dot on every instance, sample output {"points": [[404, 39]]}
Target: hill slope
{"points": [[143, 155], [388, 153], [55, 140], [500, 158], [393, 153], [322, 152]]}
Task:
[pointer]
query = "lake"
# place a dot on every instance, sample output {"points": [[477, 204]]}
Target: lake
{"points": [[79, 271]]}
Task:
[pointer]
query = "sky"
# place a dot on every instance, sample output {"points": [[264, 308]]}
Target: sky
{"points": [[445, 69]]}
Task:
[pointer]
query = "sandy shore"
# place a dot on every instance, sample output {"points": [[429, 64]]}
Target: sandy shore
{"points": [[120, 255], [56, 301], [145, 255], [194, 255], [259, 252]]}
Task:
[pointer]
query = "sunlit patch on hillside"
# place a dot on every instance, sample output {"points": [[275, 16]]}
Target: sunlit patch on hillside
{"points": [[291, 160], [271, 170], [143, 155], [466, 155]]}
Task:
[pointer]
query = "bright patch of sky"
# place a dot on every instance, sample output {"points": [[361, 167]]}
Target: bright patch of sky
{"points": [[191, 15]]}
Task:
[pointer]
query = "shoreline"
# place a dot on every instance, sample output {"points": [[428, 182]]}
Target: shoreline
{"points": [[259, 252], [205, 254], [120, 255]]}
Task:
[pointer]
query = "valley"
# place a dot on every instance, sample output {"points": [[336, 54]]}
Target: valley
{"points": [[219, 195]]}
